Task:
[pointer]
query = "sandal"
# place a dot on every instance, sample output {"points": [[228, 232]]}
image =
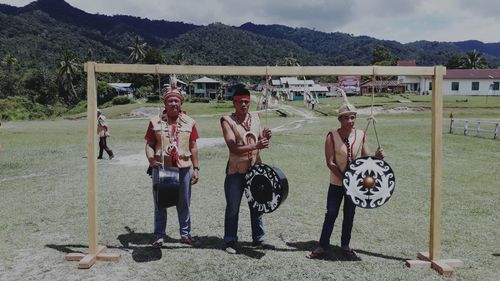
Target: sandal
{"points": [[157, 244], [350, 253], [317, 253]]}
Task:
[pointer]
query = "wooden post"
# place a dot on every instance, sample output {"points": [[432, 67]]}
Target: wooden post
{"points": [[95, 251], [437, 163], [432, 258]]}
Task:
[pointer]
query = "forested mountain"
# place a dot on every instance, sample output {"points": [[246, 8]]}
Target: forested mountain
{"points": [[43, 46]]}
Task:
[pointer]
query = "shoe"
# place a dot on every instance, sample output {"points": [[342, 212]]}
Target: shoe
{"points": [[350, 253], [231, 248], [190, 241], [99, 157], [263, 245], [317, 253], [157, 244]]}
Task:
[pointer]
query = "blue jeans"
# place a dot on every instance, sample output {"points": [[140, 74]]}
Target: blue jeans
{"points": [[233, 188], [335, 196], [183, 214]]}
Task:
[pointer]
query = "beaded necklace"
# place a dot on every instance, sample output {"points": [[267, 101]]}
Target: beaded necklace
{"points": [[246, 123]]}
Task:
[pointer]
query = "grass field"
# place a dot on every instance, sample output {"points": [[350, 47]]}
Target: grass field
{"points": [[43, 174]]}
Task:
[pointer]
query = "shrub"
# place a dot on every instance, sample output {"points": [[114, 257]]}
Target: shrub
{"points": [[121, 100], [200, 99]]}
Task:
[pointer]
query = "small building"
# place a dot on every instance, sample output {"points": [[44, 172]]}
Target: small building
{"points": [[122, 88], [295, 89], [382, 86], [206, 87], [458, 82]]}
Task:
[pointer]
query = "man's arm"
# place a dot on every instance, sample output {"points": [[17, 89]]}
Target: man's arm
{"points": [[230, 139], [193, 147], [329, 157]]}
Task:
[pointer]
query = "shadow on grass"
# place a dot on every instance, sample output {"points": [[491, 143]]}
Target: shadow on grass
{"points": [[496, 254], [140, 244], [335, 253]]}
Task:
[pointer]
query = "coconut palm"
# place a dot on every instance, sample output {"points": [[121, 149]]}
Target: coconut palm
{"points": [[67, 70], [291, 60], [137, 50], [473, 60], [9, 60]]}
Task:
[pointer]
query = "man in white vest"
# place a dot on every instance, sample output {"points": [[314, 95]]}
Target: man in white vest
{"points": [[244, 138], [342, 146], [171, 142]]}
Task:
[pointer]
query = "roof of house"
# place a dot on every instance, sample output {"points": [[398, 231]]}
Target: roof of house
{"points": [[120, 85], [381, 83], [472, 74], [205, 80]]}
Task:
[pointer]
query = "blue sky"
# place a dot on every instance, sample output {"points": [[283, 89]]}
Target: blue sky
{"points": [[400, 20]]}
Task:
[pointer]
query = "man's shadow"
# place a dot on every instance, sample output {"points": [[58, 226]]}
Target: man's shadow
{"points": [[142, 251], [335, 253]]}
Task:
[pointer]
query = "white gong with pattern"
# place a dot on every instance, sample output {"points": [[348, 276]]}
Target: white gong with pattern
{"points": [[369, 182]]}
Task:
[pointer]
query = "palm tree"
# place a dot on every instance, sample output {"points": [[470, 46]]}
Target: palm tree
{"points": [[473, 60], [137, 50], [9, 61], [67, 71], [291, 60]]}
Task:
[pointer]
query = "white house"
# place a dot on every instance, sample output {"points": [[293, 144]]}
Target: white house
{"points": [[294, 88], [471, 82]]}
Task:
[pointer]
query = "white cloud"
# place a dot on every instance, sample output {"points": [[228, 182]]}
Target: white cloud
{"points": [[401, 20]]}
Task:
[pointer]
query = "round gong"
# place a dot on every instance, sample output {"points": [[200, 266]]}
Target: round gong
{"points": [[266, 188], [369, 182]]}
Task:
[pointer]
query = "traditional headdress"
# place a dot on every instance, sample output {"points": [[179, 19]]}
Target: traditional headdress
{"points": [[346, 107]]}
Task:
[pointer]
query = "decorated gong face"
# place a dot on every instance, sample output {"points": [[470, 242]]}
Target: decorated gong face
{"points": [[265, 188], [369, 182]]}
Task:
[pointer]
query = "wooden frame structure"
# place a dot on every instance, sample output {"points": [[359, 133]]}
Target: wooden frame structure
{"points": [[426, 259]]}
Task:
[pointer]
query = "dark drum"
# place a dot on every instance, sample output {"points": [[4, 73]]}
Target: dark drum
{"points": [[167, 185], [266, 188]]}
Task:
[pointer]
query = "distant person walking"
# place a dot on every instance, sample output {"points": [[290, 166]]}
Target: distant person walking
{"points": [[103, 133]]}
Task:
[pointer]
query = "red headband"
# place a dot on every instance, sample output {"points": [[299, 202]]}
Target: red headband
{"points": [[238, 98], [173, 94]]}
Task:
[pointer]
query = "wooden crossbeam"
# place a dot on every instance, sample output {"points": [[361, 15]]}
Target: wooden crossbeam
{"points": [[263, 70]]}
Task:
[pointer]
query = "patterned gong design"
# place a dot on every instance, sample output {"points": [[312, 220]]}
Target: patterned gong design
{"points": [[369, 182], [265, 188]]}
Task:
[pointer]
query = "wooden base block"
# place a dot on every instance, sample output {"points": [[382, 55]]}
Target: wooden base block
{"points": [[444, 267], [88, 260], [418, 264]]}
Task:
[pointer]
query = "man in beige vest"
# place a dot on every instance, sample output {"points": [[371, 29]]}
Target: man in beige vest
{"points": [[171, 142], [342, 146], [244, 139]]}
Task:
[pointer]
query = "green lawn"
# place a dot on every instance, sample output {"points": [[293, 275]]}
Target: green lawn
{"points": [[43, 183]]}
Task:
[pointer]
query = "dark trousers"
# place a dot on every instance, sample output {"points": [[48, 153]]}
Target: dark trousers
{"points": [[335, 196], [104, 146], [233, 189]]}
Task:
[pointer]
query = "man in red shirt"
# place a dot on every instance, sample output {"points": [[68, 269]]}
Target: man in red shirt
{"points": [[171, 142]]}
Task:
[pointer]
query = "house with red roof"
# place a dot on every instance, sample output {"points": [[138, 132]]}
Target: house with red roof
{"points": [[456, 82]]}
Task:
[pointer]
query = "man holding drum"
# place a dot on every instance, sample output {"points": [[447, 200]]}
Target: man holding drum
{"points": [[171, 142], [244, 138], [341, 147]]}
